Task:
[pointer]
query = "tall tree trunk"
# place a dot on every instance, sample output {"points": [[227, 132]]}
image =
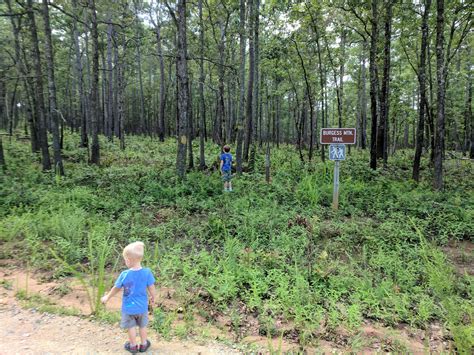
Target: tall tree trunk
{"points": [[249, 108], [468, 124], [422, 85], [161, 113], [53, 105], [256, 82], [42, 134], [430, 109], [440, 76], [373, 85], [95, 149], [110, 84], [142, 128], [182, 77], [241, 117], [202, 106], [341, 77], [322, 83], [363, 100], [80, 79], [311, 106], [382, 134]]}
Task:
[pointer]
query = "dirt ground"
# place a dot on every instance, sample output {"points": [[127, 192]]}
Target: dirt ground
{"points": [[28, 331]]}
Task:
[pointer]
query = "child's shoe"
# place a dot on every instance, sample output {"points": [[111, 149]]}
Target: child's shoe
{"points": [[133, 349], [144, 348]]}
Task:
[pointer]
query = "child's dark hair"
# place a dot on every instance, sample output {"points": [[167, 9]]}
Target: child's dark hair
{"points": [[226, 149]]}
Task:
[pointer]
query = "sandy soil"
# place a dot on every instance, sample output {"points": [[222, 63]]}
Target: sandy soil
{"points": [[30, 332], [27, 331]]}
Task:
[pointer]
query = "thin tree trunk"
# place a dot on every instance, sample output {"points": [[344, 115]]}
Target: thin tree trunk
{"points": [[440, 76], [42, 134], [110, 85], [53, 105], [161, 113], [250, 87], [83, 112], [241, 118], [202, 105], [142, 125], [255, 106], [310, 98], [382, 134], [182, 81], [363, 101], [95, 149], [422, 83], [373, 85], [468, 124]]}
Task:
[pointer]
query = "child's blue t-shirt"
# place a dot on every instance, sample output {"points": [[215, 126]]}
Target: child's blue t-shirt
{"points": [[227, 159], [134, 284]]}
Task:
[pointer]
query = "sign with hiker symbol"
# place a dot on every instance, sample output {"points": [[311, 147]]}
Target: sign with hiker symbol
{"points": [[337, 152]]}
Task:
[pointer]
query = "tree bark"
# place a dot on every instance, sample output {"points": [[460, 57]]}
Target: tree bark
{"points": [[373, 85], [95, 149], [53, 105], [42, 134], [110, 84], [241, 118], [161, 113], [202, 105], [250, 87], [422, 86], [310, 99], [440, 76], [256, 82], [382, 133], [182, 78], [468, 124], [80, 80]]}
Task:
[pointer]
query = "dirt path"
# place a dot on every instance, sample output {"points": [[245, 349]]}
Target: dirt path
{"points": [[30, 332]]}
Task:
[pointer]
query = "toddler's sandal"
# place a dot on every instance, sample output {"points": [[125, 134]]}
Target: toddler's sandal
{"points": [[129, 348], [144, 348]]}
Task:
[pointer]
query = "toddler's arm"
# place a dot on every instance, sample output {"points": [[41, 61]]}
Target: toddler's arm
{"points": [[152, 293], [111, 293]]}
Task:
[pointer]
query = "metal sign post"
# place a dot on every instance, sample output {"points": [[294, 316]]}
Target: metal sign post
{"points": [[335, 191], [337, 152]]}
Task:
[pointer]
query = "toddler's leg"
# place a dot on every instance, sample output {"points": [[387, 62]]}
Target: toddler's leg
{"points": [[132, 336], [143, 335]]}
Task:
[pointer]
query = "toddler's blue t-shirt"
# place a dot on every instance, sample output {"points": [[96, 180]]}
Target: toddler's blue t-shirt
{"points": [[134, 284], [227, 159]]}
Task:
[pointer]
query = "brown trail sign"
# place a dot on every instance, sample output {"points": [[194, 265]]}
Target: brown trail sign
{"points": [[338, 136]]}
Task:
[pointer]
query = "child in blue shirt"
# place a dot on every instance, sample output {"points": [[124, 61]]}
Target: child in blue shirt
{"points": [[135, 282], [226, 168]]}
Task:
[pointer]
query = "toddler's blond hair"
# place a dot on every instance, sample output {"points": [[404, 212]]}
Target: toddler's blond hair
{"points": [[134, 251]]}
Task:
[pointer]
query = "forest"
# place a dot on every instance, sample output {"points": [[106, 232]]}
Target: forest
{"points": [[113, 115]]}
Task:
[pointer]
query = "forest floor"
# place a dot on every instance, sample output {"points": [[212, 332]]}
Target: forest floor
{"points": [[28, 328]]}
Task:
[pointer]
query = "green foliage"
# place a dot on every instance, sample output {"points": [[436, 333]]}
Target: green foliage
{"points": [[274, 251]]}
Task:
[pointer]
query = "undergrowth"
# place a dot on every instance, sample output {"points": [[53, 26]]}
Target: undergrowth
{"points": [[278, 250]]}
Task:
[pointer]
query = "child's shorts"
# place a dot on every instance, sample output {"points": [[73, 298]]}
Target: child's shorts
{"points": [[226, 175], [134, 320]]}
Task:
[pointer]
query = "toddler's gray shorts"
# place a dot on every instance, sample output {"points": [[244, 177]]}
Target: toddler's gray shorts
{"points": [[134, 320]]}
